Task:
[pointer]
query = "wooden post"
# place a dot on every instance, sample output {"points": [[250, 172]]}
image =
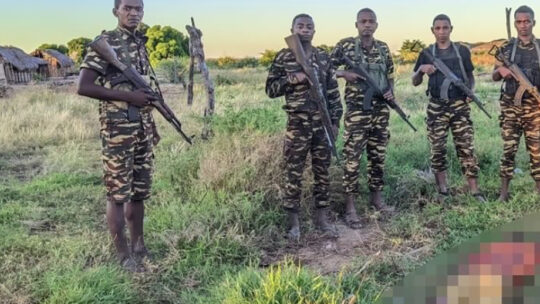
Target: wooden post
{"points": [[191, 68], [508, 22], [3, 79], [197, 52]]}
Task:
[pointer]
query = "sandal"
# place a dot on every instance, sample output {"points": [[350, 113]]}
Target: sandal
{"points": [[479, 197], [129, 264]]}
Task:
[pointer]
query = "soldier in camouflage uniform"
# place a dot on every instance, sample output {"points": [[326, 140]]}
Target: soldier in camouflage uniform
{"points": [[517, 117], [366, 119], [305, 133], [127, 130], [453, 114]]}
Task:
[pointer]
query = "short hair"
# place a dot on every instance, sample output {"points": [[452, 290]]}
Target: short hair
{"points": [[366, 10], [441, 17], [524, 9], [301, 16], [117, 3]]}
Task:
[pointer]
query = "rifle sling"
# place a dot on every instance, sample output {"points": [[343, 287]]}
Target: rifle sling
{"points": [[519, 93], [446, 87]]}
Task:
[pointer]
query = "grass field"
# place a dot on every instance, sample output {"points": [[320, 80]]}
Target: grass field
{"points": [[214, 224]]}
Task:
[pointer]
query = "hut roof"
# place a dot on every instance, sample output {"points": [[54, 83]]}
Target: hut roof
{"points": [[64, 60], [19, 59]]}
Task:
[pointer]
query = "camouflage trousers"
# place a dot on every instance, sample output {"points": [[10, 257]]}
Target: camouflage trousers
{"points": [[365, 130], [305, 134], [454, 115], [514, 122], [127, 160]]}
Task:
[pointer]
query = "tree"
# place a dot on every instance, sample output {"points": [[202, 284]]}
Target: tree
{"points": [[327, 48], [406, 55], [77, 48], [59, 47], [267, 57], [166, 42], [143, 28]]}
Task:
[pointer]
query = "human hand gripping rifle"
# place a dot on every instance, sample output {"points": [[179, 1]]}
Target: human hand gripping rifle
{"points": [[315, 89], [102, 47], [452, 79], [376, 90], [525, 84]]}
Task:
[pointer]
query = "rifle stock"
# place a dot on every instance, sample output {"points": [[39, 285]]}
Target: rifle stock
{"points": [[102, 47], [316, 92], [378, 91]]}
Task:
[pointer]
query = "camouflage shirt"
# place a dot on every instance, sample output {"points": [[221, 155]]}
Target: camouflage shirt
{"points": [[526, 58], [297, 96], [378, 54], [130, 49]]}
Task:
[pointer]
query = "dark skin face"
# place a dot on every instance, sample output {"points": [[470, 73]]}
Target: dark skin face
{"points": [[129, 13], [524, 24], [442, 30], [305, 28], [366, 24]]}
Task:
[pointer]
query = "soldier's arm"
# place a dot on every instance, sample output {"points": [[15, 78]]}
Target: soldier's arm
{"points": [[418, 75], [472, 81], [496, 75], [87, 87], [92, 67], [390, 68], [335, 108], [469, 67], [277, 82], [336, 58], [499, 69]]}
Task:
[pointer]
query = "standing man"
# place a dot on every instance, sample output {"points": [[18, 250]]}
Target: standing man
{"points": [[305, 132], [520, 116], [127, 130], [454, 113], [366, 119]]}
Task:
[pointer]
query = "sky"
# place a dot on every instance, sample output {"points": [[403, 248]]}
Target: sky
{"points": [[241, 28]]}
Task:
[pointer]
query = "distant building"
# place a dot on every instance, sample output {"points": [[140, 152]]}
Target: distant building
{"points": [[18, 67], [59, 65]]}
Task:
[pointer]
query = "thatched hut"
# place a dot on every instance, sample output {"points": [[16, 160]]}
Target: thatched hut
{"points": [[19, 67], [60, 65]]}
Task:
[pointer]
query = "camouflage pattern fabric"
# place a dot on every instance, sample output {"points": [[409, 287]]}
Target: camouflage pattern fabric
{"points": [[368, 131], [526, 58], [364, 129], [305, 133], [514, 122], [520, 120], [126, 145], [443, 115], [354, 92]]}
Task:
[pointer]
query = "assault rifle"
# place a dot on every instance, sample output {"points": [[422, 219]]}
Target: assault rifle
{"points": [[452, 79], [376, 90], [315, 89], [102, 47], [525, 84]]}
